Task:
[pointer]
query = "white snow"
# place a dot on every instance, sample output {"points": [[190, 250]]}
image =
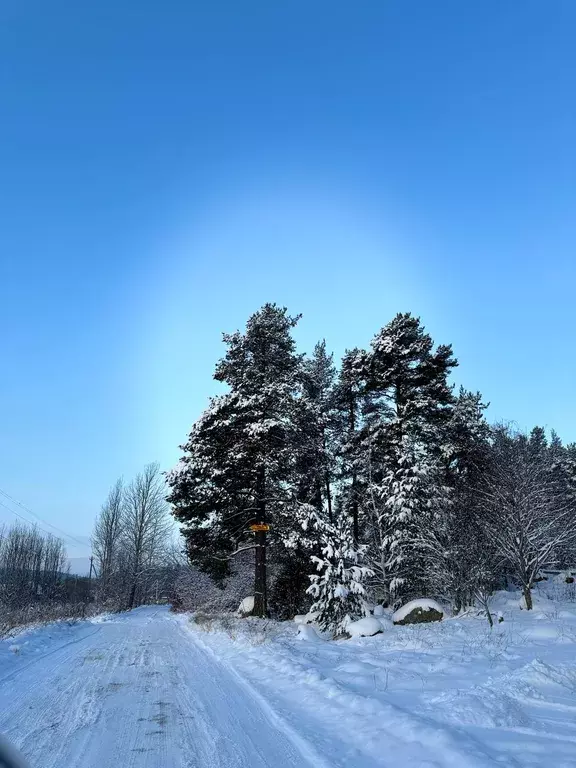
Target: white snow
{"points": [[364, 627], [150, 689], [424, 603], [141, 691], [246, 606], [450, 694], [306, 632], [306, 618], [378, 610]]}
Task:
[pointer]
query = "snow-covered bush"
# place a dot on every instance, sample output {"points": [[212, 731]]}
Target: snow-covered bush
{"points": [[418, 612], [306, 632], [305, 618], [194, 590], [246, 606], [364, 627], [338, 588]]}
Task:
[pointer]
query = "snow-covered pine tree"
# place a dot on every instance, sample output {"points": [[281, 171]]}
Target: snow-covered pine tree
{"points": [[315, 459], [408, 402], [237, 463], [348, 414], [538, 445], [313, 481], [413, 504], [561, 461], [460, 542], [338, 587]]}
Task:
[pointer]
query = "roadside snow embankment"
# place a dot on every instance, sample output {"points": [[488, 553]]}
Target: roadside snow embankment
{"points": [[23, 646], [451, 693]]}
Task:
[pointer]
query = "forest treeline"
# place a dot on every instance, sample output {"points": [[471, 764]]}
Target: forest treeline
{"points": [[320, 486], [373, 479], [135, 560]]}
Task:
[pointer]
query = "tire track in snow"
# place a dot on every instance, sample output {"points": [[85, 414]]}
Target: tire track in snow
{"points": [[138, 693]]}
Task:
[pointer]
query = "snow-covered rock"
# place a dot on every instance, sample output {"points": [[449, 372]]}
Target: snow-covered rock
{"points": [[364, 627], [378, 610], [419, 611], [306, 632], [246, 606], [306, 618]]}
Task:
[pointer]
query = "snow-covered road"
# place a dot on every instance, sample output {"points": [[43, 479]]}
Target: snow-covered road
{"points": [[138, 691], [150, 689]]}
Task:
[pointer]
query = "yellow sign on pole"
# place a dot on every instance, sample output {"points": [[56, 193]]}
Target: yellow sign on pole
{"points": [[259, 527]]}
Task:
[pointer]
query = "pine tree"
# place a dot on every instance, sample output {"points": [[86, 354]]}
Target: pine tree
{"points": [[414, 508], [408, 405], [349, 400], [317, 423], [313, 474], [338, 587], [538, 445], [237, 465], [461, 546]]}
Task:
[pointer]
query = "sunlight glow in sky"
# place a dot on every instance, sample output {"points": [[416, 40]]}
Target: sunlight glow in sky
{"points": [[166, 169]]}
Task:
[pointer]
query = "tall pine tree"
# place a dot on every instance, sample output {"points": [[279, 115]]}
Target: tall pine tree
{"points": [[237, 466], [408, 403]]}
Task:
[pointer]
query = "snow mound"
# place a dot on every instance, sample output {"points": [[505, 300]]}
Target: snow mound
{"points": [[246, 606], [421, 606], [378, 610], [306, 632], [306, 618], [364, 627]]}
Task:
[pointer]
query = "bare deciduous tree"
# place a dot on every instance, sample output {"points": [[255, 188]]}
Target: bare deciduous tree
{"points": [[523, 512], [107, 535], [146, 527]]}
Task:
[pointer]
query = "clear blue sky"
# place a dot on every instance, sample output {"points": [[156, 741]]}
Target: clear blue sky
{"points": [[165, 168]]}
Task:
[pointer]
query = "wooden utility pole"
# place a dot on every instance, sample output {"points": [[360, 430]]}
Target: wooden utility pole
{"points": [[89, 590], [260, 529]]}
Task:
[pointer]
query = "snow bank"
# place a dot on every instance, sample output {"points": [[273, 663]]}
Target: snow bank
{"points": [[306, 618], [364, 627], [306, 632], [246, 606], [424, 604], [421, 692]]}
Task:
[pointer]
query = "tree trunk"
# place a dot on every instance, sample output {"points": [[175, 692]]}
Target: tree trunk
{"points": [[352, 428], [260, 586], [528, 598], [132, 596], [260, 591], [328, 496]]}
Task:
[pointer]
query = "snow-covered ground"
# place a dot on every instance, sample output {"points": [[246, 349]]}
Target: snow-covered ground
{"points": [[135, 691], [445, 694], [151, 689]]}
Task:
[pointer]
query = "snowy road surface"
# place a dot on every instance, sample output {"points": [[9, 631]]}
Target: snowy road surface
{"points": [[148, 689], [137, 691]]}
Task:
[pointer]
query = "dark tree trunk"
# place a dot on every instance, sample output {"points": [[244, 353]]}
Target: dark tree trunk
{"points": [[260, 586], [328, 496], [528, 598], [132, 597], [352, 427]]}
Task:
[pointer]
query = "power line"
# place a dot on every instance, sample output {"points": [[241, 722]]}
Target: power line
{"points": [[31, 512], [34, 525]]}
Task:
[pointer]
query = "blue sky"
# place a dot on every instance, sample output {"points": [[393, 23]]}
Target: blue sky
{"points": [[166, 168]]}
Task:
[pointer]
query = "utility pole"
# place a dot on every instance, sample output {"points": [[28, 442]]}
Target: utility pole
{"points": [[89, 590], [260, 529]]}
